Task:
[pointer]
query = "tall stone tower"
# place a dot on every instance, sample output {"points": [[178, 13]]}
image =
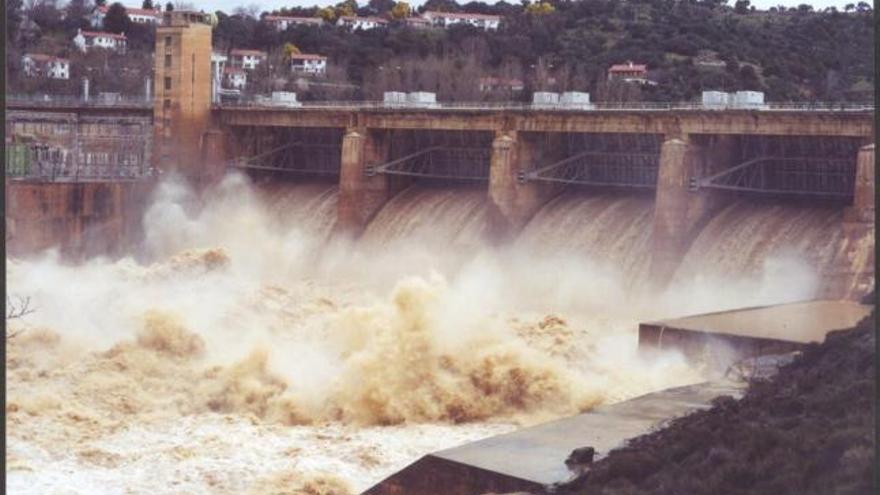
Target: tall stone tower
{"points": [[182, 105]]}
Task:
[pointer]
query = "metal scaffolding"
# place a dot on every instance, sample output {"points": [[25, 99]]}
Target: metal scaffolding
{"points": [[799, 166], [612, 160], [301, 151], [67, 147]]}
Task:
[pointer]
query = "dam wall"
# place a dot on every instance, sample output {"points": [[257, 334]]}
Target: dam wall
{"points": [[81, 219], [696, 165]]}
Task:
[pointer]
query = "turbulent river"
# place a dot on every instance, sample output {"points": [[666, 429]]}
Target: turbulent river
{"points": [[245, 349]]}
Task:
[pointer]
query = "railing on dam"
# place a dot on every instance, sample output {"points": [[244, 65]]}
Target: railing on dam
{"points": [[67, 101], [53, 164], [262, 103]]}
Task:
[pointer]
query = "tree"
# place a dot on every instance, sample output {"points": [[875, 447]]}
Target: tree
{"points": [[100, 3], [400, 10], [17, 307], [116, 20], [741, 6], [327, 13], [147, 5], [540, 8], [169, 7], [74, 15], [290, 49], [441, 6], [13, 20], [381, 6]]}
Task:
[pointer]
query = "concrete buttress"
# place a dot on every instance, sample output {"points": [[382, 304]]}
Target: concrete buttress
{"points": [[361, 196]]}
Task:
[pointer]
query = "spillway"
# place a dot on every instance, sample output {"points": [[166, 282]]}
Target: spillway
{"points": [[611, 230]]}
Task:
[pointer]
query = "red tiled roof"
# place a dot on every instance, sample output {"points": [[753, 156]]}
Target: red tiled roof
{"points": [[95, 34], [307, 56], [368, 18], [628, 67], [135, 11], [242, 51], [42, 57], [293, 19], [463, 15]]}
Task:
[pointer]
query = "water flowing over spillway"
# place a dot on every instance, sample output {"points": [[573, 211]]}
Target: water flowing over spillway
{"points": [[255, 351], [454, 218], [742, 238], [610, 230]]}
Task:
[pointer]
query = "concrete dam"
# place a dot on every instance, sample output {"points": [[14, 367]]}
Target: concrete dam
{"points": [[660, 195]]}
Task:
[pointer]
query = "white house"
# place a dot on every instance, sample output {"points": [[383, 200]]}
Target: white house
{"points": [[39, 64], [308, 63], [86, 40], [281, 22], [246, 59], [138, 16], [218, 63], [354, 22], [235, 78], [446, 19], [417, 22]]}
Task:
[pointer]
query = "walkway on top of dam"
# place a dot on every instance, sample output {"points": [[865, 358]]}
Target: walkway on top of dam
{"points": [[661, 118]]}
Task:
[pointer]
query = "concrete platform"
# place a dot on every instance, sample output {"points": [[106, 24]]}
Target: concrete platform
{"points": [[530, 458], [753, 331]]}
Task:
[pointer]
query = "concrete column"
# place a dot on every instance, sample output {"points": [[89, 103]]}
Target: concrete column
{"points": [[514, 203], [360, 196], [671, 225], [855, 275], [862, 209], [213, 156]]}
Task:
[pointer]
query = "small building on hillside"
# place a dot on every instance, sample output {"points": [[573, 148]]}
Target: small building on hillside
{"points": [[42, 65], [500, 84], [417, 22], [281, 22], [88, 40], [246, 59], [137, 16], [308, 63], [447, 19], [628, 72], [234, 78], [218, 64], [357, 22]]}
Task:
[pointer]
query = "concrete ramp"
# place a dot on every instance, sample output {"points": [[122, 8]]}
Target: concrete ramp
{"points": [[754, 331], [530, 458]]}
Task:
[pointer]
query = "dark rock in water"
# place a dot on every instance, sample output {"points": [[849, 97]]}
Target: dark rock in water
{"points": [[580, 456]]}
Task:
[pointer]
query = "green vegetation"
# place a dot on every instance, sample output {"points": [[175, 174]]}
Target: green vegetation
{"points": [[689, 46]]}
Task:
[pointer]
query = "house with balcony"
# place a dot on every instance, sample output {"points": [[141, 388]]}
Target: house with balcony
{"points": [[246, 59], [281, 22], [365, 23], [137, 16], [308, 63], [628, 72], [89, 40], [234, 78], [417, 22], [447, 19], [42, 65]]}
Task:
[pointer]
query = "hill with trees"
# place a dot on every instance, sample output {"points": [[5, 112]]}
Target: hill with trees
{"points": [[791, 54]]}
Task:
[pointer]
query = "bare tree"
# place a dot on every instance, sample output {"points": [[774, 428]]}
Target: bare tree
{"points": [[17, 307]]}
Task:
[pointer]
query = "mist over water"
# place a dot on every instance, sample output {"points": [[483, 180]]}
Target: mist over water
{"points": [[248, 348]]}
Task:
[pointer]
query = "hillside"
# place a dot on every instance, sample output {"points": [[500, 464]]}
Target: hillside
{"points": [[809, 430], [688, 46]]}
